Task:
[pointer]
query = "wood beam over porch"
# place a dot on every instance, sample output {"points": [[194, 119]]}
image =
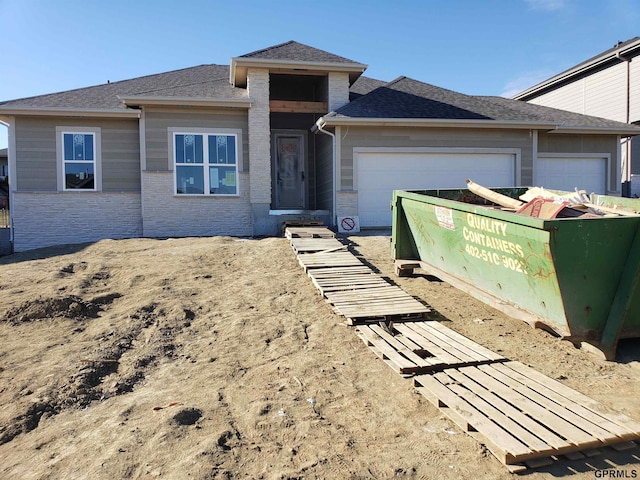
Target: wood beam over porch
{"points": [[292, 106]]}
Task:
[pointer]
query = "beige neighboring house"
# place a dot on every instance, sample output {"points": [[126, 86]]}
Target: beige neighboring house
{"points": [[4, 164], [288, 132], [4, 179], [608, 86]]}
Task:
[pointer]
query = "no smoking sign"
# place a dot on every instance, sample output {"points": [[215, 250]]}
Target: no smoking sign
{"points": [[349, 224]]}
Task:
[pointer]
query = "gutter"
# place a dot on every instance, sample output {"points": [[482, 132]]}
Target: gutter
{"points": [[319, 126], [434, 122], [187, 101], [70, 112], [624, 130]]}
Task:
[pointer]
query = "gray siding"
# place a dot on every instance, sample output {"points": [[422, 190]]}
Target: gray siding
{"points": [[36, 153], [324, 171], [432, 137], [158, 120]]}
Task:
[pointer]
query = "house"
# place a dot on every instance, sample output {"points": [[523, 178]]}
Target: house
{"points": [[606, 85], [4, 186], [287, 132]]}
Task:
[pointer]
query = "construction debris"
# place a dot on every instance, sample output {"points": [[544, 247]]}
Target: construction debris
{"points": [[546, 204]]}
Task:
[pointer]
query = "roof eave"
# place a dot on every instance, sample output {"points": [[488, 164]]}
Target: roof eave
{"points": [[187, 101], [435, 122], [70, 112], [577, 70], [239, 66], [622, 131]]}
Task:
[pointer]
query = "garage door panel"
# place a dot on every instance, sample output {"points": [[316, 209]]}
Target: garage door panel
{"points": [[381, 173], [568, 173]]}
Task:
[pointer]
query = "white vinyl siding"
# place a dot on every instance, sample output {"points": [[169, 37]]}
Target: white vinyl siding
{"points": [[379, 173], [602, 94]]}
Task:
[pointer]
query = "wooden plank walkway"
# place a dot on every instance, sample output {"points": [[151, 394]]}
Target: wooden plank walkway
{"points": [[313, 244], [388, 302], [524, 417], [421, 347], [345, 278], [308, 232]]}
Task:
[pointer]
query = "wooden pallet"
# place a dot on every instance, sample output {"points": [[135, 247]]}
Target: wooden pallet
{"points": [[524, 417], [311, 245], [345, 278], [324, 259], [308, 232], [383, 302], [421, 347]]}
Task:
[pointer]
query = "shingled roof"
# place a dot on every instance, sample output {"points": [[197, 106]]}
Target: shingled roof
{"points": [[296, 52], [406, 99], [204, 81]]}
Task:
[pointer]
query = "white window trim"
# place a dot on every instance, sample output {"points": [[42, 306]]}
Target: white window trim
{"points": [[237, 133], [97, 157]]}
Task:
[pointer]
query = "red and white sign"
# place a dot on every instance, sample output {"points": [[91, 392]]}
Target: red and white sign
{"points": [[348, 224]]}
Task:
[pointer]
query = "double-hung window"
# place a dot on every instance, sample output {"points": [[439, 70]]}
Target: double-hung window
{"points": [[206, 163]]}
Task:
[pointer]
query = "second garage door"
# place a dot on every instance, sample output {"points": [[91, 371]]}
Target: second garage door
{"points": [[379, 173]]}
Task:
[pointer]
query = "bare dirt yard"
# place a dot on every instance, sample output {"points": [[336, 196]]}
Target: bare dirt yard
{"points": [[216, 358]]}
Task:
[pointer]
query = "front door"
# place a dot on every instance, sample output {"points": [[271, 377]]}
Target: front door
{"points": [[289, 171]]}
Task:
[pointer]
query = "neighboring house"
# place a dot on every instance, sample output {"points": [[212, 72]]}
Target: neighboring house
{"points": [[287, 132], [4, 185], [4, 164], [608, 86]]}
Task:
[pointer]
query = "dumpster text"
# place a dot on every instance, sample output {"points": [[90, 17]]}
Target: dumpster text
{"points": [[484, 241]]}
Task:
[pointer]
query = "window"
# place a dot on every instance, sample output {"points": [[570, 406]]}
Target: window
{"points": [[206, 163], [78, 158], [79, 161]]}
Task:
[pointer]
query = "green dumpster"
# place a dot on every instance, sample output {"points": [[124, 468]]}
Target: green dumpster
{"points": [[575, 276]]}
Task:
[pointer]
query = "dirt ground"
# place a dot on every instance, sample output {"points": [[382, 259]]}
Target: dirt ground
{"points": [[216, 358]]}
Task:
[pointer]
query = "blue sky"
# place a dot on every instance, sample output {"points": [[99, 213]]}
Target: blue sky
{"points": [[483, 47]]}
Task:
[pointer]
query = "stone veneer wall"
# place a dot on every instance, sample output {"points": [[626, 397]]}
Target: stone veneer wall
{"points": [[338, 90], [260, 151], [347, 204], [51, 218], [169, 215]]}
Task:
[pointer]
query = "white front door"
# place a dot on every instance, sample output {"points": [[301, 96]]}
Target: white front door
{"points": [[289, 171]]}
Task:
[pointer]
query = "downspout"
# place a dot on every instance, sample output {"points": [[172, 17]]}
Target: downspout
{"points": [[333, 161]]}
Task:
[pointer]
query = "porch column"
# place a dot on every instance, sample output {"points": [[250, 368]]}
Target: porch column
{"points": [[259, 151]]}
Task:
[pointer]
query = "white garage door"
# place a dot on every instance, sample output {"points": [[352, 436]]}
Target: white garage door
{"points": [[379, 173], [561, 172]]}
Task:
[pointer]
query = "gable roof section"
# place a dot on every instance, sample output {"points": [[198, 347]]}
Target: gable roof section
{"points": [[296, 52], [208, 83], [296, 56], [620, 52], [409, 102]]}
